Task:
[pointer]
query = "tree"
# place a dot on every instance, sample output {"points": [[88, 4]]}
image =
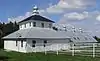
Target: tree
{"points": [[97, 38], [6, 29], [15, 26]]}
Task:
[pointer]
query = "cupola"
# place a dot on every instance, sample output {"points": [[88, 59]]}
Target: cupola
{"points": [[35, 11]]}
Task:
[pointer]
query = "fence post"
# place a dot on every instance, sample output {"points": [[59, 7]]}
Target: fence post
{"points": [[73, 49], [35, 50], [51, 47], [57, 50], [45, 50], [93, 50], [64, 46]]}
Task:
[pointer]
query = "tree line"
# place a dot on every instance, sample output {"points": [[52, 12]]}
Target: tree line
{"points": [[97, 38], [6, 29]]}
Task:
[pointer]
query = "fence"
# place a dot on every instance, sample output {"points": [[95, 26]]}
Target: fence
{"points": [[83, 49]]}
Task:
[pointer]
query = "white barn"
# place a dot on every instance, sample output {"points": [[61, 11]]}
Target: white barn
{"points": [[36, 34]]}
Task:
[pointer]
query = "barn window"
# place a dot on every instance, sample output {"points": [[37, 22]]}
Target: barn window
{"points": [[45, 42], [33, 43], [21, 43], [44, 45], [42, 24], [16, 42], [30, 23], [34, 24]]}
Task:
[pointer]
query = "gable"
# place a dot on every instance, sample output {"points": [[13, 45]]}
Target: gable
{"points": [[38, 18]]}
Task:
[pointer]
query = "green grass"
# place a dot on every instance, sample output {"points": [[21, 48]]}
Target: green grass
{"points": [[15, 56]]}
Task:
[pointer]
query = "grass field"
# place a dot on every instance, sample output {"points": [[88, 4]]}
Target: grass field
{"points": [[15, 56]]}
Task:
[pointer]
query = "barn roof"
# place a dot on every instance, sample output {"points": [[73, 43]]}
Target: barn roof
{"points": [[76, 36], [39, 33], [38, 18], [46, 33]]}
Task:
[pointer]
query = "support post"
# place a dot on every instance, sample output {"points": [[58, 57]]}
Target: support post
{"points": [[51, 47], [73, 49], [35, 50], [57, 50], [64, 46], [93, 50], [45, 50]]}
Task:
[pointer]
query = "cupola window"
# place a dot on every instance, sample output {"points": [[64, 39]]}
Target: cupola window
{"points": [[30, 23], [34, 24], [42, 24]]}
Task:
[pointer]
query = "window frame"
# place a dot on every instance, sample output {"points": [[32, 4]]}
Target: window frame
{"points": [[33, 43], [45, 42], [30, 24], [34, 24], [42, 24]]}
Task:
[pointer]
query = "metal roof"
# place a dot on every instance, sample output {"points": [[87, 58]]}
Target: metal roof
{"points": [[41, 33], [38, 18], [77, 36], [47, 33]]}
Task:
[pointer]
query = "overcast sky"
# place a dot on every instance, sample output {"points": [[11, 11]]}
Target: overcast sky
{"points": [[80, 13]]}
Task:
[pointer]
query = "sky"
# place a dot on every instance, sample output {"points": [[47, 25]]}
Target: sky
{"points": [[80, 13]]}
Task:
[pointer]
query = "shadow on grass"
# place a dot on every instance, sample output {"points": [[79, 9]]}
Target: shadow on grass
{"points": [[3, 58]]}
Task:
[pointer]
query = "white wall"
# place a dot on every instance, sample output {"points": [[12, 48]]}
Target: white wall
{"points": [[50, 46], [27, 45], [11, 45], [38, 24]]}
